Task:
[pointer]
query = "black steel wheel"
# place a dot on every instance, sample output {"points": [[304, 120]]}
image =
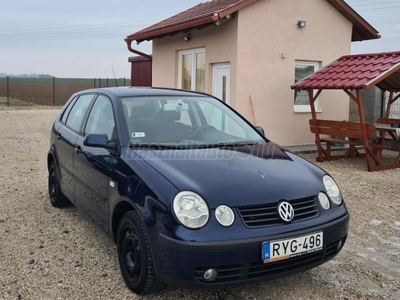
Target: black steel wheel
{"points": [[134, 256], [57, 198]]}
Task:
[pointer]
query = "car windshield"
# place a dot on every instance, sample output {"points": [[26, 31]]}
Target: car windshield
{"points": [[184, 122]]}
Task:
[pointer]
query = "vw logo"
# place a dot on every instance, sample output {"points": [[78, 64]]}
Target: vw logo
{"points": [[286, 211]]}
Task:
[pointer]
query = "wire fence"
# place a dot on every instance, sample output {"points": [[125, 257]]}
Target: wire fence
{"points": [[395, 110], [49, 91], [375, 104]]}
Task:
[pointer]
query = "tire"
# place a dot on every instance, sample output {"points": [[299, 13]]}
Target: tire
{"points": [[57, 198], [135, 256]]}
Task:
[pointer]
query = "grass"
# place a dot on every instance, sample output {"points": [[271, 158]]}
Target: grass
{"points": [[18, 104]]}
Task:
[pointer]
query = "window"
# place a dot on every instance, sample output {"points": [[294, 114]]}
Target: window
{"points": [[192, 70], [66, 112], [78, 112], [101, 117], [301, 100], [185, 121]]}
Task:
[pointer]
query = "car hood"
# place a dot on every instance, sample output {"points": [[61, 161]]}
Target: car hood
{"points": [[245, 175]]}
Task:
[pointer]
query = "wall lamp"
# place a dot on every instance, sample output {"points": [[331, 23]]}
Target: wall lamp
{"points": [[187, 38], [301, 23]]}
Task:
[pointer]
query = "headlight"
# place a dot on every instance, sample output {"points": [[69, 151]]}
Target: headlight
{"points": [[224, 215], [332, 190], [323, 199], [191, 210]]}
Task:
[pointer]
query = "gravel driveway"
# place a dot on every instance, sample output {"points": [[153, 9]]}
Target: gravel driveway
{"points": [[48, 253]]}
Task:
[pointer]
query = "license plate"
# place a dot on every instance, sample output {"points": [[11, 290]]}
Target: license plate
{"points": [[285, 249]]}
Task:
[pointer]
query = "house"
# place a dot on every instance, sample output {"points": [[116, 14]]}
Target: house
{"points": [[249, 52]]}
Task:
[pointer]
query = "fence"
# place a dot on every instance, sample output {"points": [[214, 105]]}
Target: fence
{"points": [[48, 91], [374, 106]]}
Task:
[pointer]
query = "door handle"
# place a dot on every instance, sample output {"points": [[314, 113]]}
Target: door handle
{"points": [[78, 150]]}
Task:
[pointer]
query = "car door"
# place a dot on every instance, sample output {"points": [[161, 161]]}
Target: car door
{"points": [[92, 165], [65, 141]]}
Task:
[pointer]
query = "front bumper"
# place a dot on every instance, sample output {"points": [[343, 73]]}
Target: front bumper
{"points": [[183, 264]]}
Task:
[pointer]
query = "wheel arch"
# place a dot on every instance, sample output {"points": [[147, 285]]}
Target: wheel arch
{"points": [[119, 210], [51, 157], [50, 160]]}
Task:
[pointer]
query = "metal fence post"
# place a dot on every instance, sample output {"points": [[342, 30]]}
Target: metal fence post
{"points": [[94, 82], [54, 91], [99, 83], [8, 91]]}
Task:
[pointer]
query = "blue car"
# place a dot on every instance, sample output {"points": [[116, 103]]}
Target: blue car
{"points": [[193, 195]]}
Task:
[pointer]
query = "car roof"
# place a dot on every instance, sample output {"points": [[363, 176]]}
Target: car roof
{"points": [[128, 91]]}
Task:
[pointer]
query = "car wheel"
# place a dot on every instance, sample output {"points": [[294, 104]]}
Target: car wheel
{"points": [[134, 255], [57, 198]]}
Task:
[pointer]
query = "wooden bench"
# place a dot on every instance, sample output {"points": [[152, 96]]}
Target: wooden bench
{"points": [[347, 133], [388, 121]]}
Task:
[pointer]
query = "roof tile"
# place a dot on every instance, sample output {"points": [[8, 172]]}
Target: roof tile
{"points": [[198, 12], [203, 13], [354, 71]]}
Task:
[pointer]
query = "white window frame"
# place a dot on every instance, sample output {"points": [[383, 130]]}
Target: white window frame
{"points": [[302, 108], [194, 53]]}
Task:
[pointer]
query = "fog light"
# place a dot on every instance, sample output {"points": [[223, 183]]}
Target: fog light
{"points": [[323, 199], [339, 245], [210, 275], [224, 215]]}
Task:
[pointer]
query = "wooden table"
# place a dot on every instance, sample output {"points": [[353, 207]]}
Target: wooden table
{"points": [[393, 133]]}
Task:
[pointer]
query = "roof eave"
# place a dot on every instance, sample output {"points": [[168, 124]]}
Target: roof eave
{"points": [[382, 76], [140, 37], [372, 33], [234, 8]]}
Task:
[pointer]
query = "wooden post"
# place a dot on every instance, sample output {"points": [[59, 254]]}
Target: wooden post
{"points": [[252, 111], [389, 105], [314, 116], [364, 130], [391, 100]]}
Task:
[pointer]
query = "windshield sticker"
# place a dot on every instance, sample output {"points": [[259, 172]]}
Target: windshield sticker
{"points": [[138, 134]]}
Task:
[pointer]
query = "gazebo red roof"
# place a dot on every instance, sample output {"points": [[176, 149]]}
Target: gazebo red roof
{"points": [[207, 13], [360, 71]]}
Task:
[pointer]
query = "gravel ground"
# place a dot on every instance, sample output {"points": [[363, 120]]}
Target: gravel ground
{"points": [[47, 253]]}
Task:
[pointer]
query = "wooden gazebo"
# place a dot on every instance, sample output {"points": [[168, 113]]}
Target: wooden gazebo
{"points": [[352, 74]]}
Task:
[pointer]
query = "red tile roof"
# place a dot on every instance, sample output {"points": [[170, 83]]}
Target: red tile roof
{"points": [[361, 71], [207, 13], [202, 14]]}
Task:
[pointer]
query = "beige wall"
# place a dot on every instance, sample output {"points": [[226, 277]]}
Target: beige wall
{"points": [[220, 43], [266, 30], [253, 43]]}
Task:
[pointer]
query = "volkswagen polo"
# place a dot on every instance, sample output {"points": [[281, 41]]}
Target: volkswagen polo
{"points": [[191, 192]]}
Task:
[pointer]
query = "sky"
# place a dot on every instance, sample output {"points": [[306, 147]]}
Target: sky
{"points": [[86, 38]]}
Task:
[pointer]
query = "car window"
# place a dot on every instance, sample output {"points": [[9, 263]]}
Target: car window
{"points": [[66, 112], [184, 121], [78, 111], [101, 117]]}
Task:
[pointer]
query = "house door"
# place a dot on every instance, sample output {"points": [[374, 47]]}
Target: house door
{"points": [[222, 90], [222, 82]]}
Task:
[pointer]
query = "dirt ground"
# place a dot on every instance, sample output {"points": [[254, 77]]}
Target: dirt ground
{"points": [[48, 253]]}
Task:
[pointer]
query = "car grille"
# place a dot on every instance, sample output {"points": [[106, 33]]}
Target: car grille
{"points": [[256, 270], [263, 215]]}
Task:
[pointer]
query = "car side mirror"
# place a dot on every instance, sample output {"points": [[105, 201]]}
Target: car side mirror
{"points": [[260, 130], [98, 140]]}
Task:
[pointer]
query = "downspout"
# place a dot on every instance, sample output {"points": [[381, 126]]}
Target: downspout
{"points": [[129, 45]]}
